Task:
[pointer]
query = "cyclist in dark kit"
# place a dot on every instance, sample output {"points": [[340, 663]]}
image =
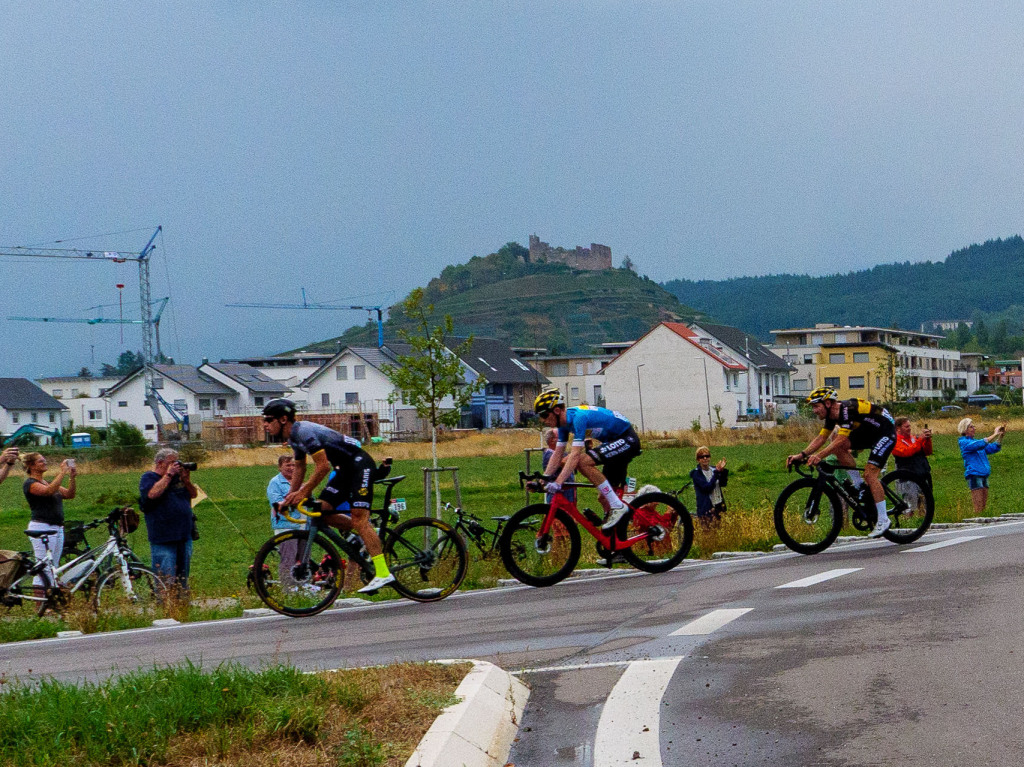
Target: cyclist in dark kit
{"points": [[352, 483]]}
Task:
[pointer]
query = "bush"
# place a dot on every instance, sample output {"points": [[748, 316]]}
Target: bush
{"points": [[127, 444]]}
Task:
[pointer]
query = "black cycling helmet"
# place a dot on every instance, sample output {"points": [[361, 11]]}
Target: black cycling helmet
{"points": [[279, 407]]}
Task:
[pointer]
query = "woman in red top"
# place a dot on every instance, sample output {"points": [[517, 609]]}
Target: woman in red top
{"points": [[910, 453]]}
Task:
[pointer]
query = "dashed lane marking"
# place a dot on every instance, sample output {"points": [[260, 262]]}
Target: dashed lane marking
{"points": [[630, 723], [944, 544], [825, 576], [711, 622]]}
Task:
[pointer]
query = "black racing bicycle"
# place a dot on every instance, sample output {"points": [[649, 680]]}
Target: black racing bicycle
{"points": [[302, 572], [809, 512], [472, 529]]}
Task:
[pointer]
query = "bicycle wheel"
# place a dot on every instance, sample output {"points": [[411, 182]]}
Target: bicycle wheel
{"points": [[539, 561], [910, 505], [298, 588], [427, 557], [141, 592], [808, 516], [668, 527]]}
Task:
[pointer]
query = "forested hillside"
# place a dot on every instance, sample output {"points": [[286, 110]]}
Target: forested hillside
{"points": [[978, 282], [547, 305]]}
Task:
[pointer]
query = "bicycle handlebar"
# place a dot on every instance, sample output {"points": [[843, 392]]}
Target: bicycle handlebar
{"points": [[304, 511], [525, 478]]}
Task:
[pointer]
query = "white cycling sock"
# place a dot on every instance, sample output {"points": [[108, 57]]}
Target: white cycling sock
{"points": [[880, 508], [606, 490]]}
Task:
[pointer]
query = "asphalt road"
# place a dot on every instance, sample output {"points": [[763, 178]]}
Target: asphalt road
{"points": [[887, 655]]}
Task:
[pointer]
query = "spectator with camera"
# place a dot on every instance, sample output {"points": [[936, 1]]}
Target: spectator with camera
{"points": [[7, 459], [165, 497], [46, 501]]}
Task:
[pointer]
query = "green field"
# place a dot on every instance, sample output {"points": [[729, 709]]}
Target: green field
{"points": [[490, 487]]}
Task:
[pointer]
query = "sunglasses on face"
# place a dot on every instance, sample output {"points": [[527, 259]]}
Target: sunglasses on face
{"points": [[702, 457]]}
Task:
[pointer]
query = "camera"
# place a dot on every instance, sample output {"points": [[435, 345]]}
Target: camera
{"points": [[188, 465]]}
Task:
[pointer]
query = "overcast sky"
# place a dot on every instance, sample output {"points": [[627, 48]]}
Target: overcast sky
{"points": [[356, 148]]}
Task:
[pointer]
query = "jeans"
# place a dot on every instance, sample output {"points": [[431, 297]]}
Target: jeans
{"points": [[171, 561]]}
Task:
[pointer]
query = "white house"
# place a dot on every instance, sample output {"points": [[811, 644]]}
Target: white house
{"points": [[254, 388], [672, 377], [763, 388], [186, 398], [290, 370], [27, 408], [82, 396]]}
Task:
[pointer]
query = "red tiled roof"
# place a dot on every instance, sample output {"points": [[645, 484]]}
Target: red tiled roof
{"points": [[720, 357]]}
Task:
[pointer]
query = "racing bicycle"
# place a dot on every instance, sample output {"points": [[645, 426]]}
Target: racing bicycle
{"points": [[301, 572], [540, 544], [809, 511], [472, 529]]}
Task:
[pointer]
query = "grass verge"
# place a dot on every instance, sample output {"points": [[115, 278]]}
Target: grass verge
{"points": [[184, 716]]}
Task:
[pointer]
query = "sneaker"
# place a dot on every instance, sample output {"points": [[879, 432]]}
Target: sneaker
{"points": [[616, 560], [614, 516], [377, 584], [880, 527]]}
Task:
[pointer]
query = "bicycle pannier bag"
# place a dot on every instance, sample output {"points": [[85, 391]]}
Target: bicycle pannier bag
{"points": [[11, 563], [129, 520]]}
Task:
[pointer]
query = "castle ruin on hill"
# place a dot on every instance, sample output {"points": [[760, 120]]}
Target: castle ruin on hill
{"points": [[594, 259]]}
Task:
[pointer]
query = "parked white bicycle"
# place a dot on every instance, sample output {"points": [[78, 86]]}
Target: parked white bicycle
{"points": [[108, 575]]}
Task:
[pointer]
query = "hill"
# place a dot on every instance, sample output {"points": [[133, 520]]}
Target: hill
{"points": [[969, 283], [537, 304]]}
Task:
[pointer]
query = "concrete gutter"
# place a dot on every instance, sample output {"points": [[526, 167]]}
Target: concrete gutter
{"points": [[479, 730]]}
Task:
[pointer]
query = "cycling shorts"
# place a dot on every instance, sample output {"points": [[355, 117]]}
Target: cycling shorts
{"points": [[615, 456], [881, 450], [352, 483]]}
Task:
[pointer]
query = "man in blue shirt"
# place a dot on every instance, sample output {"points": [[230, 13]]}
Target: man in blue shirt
{"points": [[165, 496], [619, 444]]}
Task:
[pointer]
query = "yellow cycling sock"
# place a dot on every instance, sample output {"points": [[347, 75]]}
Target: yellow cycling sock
{"points": [[380, 567]]}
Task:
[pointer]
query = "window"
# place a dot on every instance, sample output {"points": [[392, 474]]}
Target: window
{"points": [[861, 357], [359, 372], [257, 401], [790, 358], [725, 375], [342, 372], [597, 394], [325, 400], [837, 358], [181, 406], [15, 417], [878, 382], [808, 359], [35, 418], [58, 393], [53, 418], [204, 404], [574, 393], [124, 403], [351, 398], [559, 369], [95, 415], [833, 382], [222, 404], [801, 384], [579, 368], [856, 382], [150, 427]]}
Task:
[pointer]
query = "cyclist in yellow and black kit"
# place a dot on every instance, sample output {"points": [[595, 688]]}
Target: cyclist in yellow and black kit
{"points": [[853, 424]]}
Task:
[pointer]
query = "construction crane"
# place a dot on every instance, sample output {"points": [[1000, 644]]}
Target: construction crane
{"points": [[333, 307], [145, 298], [160, 303]]}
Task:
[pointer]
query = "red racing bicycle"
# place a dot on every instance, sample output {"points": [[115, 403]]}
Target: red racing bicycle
{"points": [[540, 544]]}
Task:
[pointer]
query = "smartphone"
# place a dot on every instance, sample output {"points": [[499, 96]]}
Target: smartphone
{"points": [[926, 426], [71, 463]]}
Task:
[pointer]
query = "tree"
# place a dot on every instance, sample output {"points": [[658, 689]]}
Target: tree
{"points": [[433, 372], [628, 265], [127, 362], [84, 373]]}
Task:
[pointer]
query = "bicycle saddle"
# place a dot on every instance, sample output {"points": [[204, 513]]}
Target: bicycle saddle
{"points": [[39, 533]]}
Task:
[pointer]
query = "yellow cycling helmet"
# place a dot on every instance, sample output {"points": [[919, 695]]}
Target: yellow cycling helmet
{"points": [[546, 401], [822, 394]]}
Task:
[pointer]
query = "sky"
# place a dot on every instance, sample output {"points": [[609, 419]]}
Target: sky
{"points": [[354, 149]]}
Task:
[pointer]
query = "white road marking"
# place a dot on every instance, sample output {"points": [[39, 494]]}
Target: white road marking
{"points": [[631, 717], [712, 621], [572, 667], [825, 576], [943, 544]]}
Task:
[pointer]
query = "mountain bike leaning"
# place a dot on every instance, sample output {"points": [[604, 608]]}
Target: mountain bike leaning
{"points": [[809, 511], [108, 575], [541, 542], [301, 572]]}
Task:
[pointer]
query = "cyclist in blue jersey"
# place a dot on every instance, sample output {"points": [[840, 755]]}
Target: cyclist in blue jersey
{"points": [[352, 483], [619, 444]]}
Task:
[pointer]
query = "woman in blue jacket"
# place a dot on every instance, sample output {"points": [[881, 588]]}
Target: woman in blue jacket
{"points": [[708, 482], [976, 466]]}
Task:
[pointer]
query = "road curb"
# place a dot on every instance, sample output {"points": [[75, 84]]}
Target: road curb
{"points": [[478, 731]]}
